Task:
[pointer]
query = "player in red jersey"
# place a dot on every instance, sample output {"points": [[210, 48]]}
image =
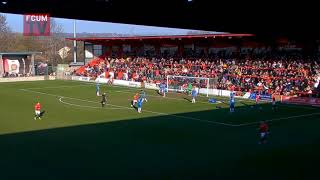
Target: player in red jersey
{"points": [[135, 99], [274, 107], [37, 109], [264, 131], [257, 99]]}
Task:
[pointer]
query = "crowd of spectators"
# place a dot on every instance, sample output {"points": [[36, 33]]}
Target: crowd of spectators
{"points": [[276, 75]]}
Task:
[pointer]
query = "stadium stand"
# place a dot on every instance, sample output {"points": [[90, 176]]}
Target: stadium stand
{"points": [[279, 75]]}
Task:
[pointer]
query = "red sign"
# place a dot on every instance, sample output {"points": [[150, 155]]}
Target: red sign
{"points": [[36, 25]]}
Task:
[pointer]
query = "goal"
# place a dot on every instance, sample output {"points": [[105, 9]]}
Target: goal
{"points": [[180, 84]]}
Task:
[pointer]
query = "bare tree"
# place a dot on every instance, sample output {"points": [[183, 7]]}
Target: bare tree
{"points": [[49, 45], [53, 43], [5, 34]]}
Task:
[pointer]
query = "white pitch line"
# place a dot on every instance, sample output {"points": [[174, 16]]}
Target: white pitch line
{"points": [[153, 112], [278, 119], [201, 120], [298, 106], [59, 96], [223, 97], [162, 97], [126, 91], [55, 87], [77, 105]]}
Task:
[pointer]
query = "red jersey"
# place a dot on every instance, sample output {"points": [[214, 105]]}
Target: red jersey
{"points": [[120, 75], [106, 74], [257, 98], [184, 86], [157, 72], [37, 107], [264, 128], [136, 97], [233, 87]]}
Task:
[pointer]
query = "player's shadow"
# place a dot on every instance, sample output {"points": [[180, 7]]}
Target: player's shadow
{"points": [[42, 113], [157, 92], [135, 107], [187, 99], [245, 104], [224, 102]]}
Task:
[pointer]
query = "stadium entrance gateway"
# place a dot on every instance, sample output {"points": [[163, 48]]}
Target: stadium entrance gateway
{"points": [[17, 63]]}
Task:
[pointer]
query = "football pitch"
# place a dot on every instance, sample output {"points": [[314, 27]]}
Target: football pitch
{"points": [[170, 139]]}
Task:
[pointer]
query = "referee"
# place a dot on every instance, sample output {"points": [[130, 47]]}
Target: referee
{"points": [[103, 100]]}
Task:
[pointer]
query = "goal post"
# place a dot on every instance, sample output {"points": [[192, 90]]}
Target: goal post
{"points": [[180, 83]]}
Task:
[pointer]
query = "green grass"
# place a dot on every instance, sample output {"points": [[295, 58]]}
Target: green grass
{"points": [[171, 139]]}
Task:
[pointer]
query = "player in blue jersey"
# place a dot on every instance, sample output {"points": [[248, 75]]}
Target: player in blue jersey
{"points": [[162, 89], [232, 102], [232, 95], [194, 94], [140, 101], [98, 89], [143, 95]]}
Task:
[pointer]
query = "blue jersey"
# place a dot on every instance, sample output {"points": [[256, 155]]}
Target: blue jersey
{"points": [[142, 94], [139, 102], [194, 93], [97, 87], [232, 94], [162, 86], [232, 102]]}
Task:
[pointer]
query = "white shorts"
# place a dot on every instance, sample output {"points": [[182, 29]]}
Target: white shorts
{"points": [[37, 112], [263, 135], [135, 101]]}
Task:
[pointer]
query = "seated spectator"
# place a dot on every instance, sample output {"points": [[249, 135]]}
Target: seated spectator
{"points": [[279, 75]]}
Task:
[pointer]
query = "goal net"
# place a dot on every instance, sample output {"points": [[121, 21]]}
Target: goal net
{"points": [[181, 83]]}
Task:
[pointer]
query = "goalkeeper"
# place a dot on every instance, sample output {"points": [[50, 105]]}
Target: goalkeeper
{"points": [[189, 88]]}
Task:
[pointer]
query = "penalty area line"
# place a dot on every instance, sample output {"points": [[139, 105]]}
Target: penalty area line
{"points": [[83, 106], [155, 96], [55, 87], [178, 116], [153, 112], [279, 119]]}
